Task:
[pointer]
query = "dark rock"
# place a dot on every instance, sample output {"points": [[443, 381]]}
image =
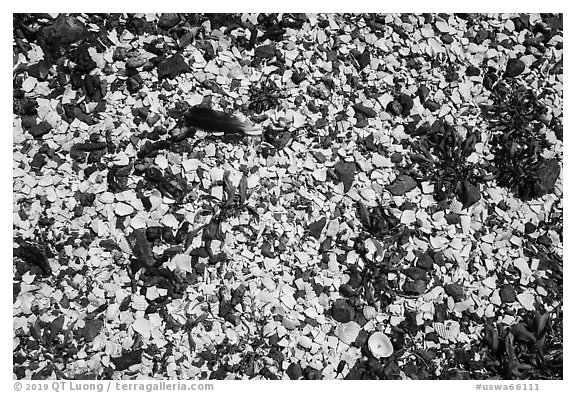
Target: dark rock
{"points": [[33, 255], [439, 258], [415, 273], [407, 104], [153, 233], [546, 176], [455, 374], [133, 85], [514, 67], [312, 374], [472, 71], [401, 185], [368, 112], [265, 51], [451, 75], [414, 287], [64, 31], [86, 198], [394, 107], [432, 105], [363, 59], [342, 311], [508, 293], [119, 53], [425, 262], [140, 247], [315, 228], [396, 157], [41, 129], [456, 291], [355, 279], [294, 371], [462, 356], [447, 38], [423, 93], [40, 70], [168, 20], [529, 228], [83, 60], [38, 161], [452, 218], [91, 329], [414, 64], [299, 76], [470, 194], [128, 359], [347, 291], [172, 66], [490, 80], [345, 172], [361, 339], [266, 250]]}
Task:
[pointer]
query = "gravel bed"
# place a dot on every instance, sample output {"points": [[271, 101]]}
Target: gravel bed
{"points": [[389, 205]]}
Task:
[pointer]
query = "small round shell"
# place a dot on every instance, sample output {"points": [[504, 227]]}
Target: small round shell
{"points": [[369, 312], [448, 330], [347, 332], [455, 206], [380, 345]]}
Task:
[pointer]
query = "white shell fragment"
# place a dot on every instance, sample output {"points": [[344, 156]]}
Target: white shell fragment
{"points": [[122, 209], [369, 312], [380, 345], [347, 332]]}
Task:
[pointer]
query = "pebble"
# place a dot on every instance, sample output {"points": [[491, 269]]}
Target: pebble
{"points": [[172, 66], [40, 129], [455, 290], [265, 51], [368, 112], [401, 185], [342, 311], [470, 194], [425, 262], [415, 273], [514, 67], [508, 293], [345, 172], [168, 20], [416, 287], [135, 59], [294, 371], [315, 228]]}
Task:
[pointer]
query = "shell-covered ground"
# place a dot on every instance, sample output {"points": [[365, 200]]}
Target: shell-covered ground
{"points": [[407, 181]]}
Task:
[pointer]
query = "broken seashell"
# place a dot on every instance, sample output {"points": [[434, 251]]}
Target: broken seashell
{"points": [[369, 312], [456, 206], [380, 345], [139, 303], [448, 330], [122, 209], [347, 332], [123, 244]]}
